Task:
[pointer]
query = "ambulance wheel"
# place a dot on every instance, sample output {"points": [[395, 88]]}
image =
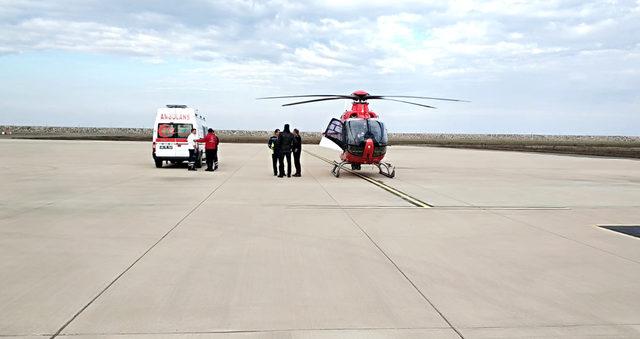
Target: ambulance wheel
{"points": [[158, 163], [199, 161]]}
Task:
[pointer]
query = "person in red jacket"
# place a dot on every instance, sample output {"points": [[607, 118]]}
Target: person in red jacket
{"points": [[211, 149]]}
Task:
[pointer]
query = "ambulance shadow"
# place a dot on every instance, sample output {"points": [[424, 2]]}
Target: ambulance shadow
{"points": [[171, 165]]}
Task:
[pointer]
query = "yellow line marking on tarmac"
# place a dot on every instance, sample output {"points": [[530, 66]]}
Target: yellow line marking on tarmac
{"points": [[414, 201]]}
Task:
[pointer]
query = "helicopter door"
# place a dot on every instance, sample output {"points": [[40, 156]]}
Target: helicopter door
{"points": [[334, 132]]}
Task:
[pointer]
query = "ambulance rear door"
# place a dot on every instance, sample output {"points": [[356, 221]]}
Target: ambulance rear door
{"points": [[171, 141]]}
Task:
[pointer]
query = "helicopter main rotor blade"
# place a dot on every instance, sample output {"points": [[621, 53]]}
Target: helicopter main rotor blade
{"points": [[406, 102], [314, 100], [309, 96], [412, 97]]}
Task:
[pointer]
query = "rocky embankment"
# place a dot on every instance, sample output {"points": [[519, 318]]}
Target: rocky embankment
{"points": [[616, 146]]}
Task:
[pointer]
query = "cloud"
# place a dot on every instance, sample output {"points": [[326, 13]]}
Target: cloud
{"points": [[287, 46], [430, 37]]}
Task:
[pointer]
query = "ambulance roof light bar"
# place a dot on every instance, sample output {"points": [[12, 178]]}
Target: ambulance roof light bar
{"points": [[176, 106]]}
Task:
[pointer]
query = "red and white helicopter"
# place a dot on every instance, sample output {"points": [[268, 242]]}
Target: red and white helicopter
{"points": [[358, 134]]}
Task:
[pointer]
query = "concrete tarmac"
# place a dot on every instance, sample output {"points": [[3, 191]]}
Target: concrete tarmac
{"points": [[97, 242]]}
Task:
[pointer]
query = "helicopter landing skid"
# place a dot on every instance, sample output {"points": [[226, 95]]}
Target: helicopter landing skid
{"points": [[386, 169], [337, 166]]}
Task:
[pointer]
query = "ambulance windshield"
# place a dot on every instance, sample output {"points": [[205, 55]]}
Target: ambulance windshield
{"points": [[171, 130]]}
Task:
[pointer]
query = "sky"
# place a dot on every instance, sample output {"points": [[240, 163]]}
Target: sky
{"points": [[531, 67]]}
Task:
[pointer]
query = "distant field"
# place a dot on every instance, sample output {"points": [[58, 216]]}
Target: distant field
{"points": [[610, 146]]}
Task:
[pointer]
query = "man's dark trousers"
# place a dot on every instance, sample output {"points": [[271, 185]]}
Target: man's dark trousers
{"points": [[296, 162], [288, 156], [212, 156], [274, 160], [192, 159]]}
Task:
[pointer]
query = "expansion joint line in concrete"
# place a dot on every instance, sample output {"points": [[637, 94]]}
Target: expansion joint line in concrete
{"points": [[564, 237], [464, 203], [404, 196], [144, 254], [257, 331], [406, 277]]}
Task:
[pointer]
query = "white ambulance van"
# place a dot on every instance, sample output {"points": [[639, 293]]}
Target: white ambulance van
{"points": [[170, 131]]}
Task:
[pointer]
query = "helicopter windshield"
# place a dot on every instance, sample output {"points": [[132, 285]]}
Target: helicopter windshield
{"points": [[378, 131], [358, 130]]}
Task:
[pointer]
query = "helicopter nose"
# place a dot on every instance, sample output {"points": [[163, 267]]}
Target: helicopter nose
{"points": [[368, 149]]}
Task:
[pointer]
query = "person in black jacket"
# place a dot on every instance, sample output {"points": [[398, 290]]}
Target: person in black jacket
{"points": [[275, 152], [284, 144], [297, 149]]}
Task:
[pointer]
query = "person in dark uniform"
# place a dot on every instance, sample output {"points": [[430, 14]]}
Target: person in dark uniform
{"points": [[275, 152], [297, 150], [284, 144]]}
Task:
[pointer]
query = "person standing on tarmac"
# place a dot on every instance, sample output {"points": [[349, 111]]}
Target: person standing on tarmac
{"points": [[193, 149], [211, 142], [284, 143], [297, 150], [275, 151]]}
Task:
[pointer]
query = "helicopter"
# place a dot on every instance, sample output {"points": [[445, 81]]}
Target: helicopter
{"points": [[358, 134]]}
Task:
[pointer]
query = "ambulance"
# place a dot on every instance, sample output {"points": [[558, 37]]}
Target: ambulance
{"points": [[170, 131]]}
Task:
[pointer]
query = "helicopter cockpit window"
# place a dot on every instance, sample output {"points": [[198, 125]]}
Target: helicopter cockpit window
{"points": [[356, 131], [379, 133], [334, 132], [359, 130]]}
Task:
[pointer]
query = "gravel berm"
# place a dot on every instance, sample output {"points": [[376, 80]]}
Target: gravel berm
{"points": [[610, 146]]}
